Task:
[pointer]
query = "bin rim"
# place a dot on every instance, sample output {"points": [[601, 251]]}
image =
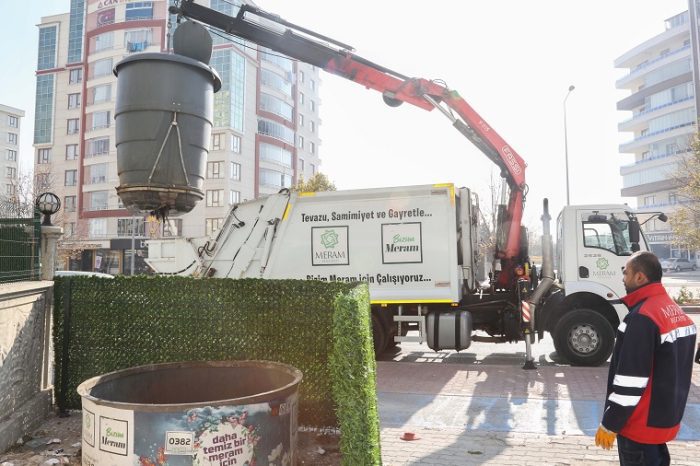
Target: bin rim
{"points": [[279, 393], [170, 57]]}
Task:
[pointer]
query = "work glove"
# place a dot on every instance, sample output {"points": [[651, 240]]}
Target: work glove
{"points": [[604, 438]]}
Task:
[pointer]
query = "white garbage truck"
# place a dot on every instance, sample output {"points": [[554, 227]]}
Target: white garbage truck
{"points": [[418, 247], [419, 250]]}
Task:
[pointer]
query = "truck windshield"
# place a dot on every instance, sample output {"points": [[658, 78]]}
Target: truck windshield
{"points": [[611, 235]]}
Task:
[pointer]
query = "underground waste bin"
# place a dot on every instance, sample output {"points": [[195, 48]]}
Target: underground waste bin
{"points": [[222, 413]]}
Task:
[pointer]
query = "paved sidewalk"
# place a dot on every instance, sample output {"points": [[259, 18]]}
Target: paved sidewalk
{"points": [[499, 414]]}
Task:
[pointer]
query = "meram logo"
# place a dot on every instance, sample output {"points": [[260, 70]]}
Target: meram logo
{"points": [[329, 245], [602, 263], [329, 239]]}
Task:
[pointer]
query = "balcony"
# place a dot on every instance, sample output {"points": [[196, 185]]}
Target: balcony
{"points": [[629, 146], [623, 125]]}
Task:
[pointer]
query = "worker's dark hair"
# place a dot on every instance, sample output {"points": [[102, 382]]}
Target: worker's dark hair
{"points": [[647, 263]]}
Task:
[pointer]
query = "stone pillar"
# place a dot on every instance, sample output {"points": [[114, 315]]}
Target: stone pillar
{"points": [[49, 240]]}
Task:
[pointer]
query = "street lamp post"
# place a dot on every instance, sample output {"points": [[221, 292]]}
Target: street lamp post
{"points": [[566, 145]]}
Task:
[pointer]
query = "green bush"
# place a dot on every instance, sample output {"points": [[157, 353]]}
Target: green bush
{"points": [[684, 296], [323, 329]]}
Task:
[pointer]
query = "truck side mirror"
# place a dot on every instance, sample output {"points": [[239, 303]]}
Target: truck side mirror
{"points": [[633, 231]]}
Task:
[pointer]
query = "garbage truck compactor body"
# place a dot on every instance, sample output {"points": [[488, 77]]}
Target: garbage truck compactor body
{"points": [[417, 247]]}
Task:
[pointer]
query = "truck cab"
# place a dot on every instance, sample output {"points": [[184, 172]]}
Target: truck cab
{"points": [[593, 244]]}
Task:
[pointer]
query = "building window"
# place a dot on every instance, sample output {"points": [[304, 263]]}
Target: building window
{"points": [[301, 165], [70, 178], [43, 156], [212, 224], [11, 155], [73, 126], [234, 197], [301, 76], [301, 120], [216, 141], [100, 120], [312, 105], [69, 229], [102, 93], [300, 142], [42, 182], [312, 84], [275, 81], [12, 138], [101, 68], [214, 170], [273, 178], [96, 173], [69, 203], [75, 76], [215, 197], [313, 169], [673, 198], [235, 144], [97, 146], [235, 171], [48, 38], [649, 200], [10, 172], [104, 42], [138, 40], [71, 151], [97, 200], [10, 189], [229, 104], [139, 10], [276, 130], [275, 154], [312, 126], [312, 147], [43, 117], [73, 100], [131, 226], [12, 121], [301, 98], [97, 227], [272, 104]]}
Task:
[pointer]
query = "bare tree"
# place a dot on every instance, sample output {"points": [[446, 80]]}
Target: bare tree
{"points": [[685, 221]]}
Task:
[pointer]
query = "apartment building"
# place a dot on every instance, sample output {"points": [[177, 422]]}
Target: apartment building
{"points": [[663, 115], [265, 134], [10, 125]]}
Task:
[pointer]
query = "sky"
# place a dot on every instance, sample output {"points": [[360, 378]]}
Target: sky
{"points": [[512, 61]]}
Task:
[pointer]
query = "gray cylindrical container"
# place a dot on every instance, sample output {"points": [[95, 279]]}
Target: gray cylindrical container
{"points": [[192, 413], [163, 114]]}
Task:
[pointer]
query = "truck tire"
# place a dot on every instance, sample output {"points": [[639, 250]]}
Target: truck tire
{"points": [[378, 335], [583, 337]]}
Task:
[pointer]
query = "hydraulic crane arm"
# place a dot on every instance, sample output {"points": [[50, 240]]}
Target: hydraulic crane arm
{"points": [[271, 31]]}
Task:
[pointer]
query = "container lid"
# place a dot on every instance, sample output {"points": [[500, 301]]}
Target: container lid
{"points": [[172, 58]]}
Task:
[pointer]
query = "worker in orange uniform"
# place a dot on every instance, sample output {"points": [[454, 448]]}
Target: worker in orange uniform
{"points": [[650, 370]]}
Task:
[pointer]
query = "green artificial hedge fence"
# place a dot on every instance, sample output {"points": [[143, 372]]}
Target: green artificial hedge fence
{"points": [[323, 329]]}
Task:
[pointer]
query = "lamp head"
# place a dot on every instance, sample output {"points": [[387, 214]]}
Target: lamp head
{"points": [[571, 88], [48, 204]]}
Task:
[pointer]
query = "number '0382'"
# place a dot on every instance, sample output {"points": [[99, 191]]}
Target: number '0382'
{"points": [[179, 441]]}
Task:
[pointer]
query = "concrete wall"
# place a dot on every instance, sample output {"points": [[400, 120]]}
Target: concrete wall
{"points": [[25, 358]]}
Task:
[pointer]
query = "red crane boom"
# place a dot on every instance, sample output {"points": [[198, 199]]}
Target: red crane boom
{"points": [[263, 28]]}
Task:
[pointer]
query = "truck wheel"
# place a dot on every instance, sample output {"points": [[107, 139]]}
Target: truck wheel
{"points": [[378, 335], [584, 338]]}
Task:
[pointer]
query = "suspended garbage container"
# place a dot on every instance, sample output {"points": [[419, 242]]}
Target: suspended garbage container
{"points": [[194, 413], [163, 117]]}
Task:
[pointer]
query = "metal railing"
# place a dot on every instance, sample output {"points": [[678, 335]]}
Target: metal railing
{"points": [[20, 247]]}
